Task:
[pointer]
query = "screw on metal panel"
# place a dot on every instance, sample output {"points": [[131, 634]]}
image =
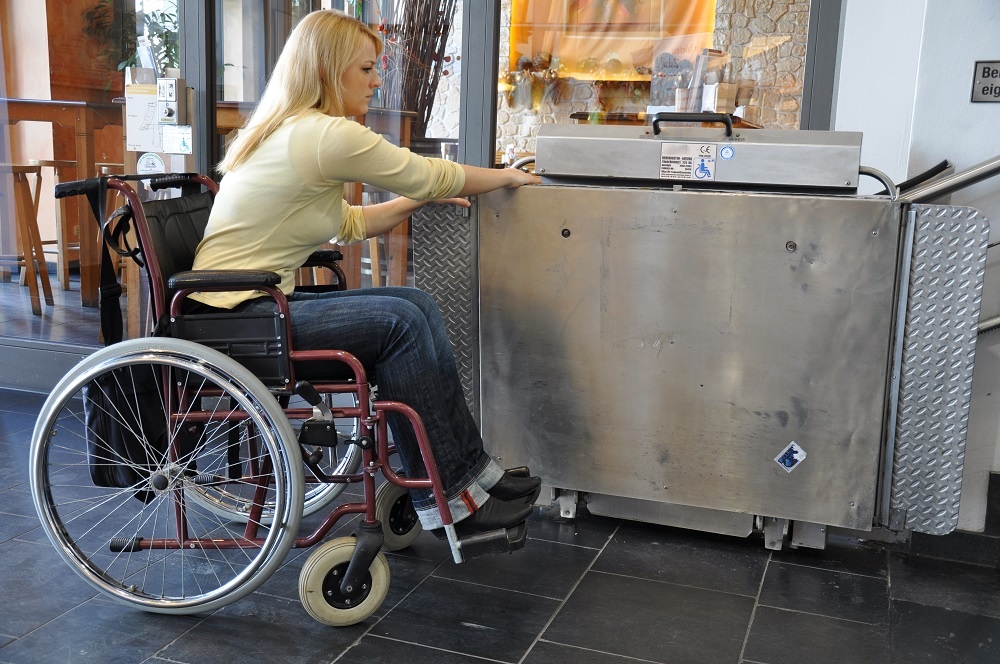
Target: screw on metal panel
{"points": [[847, 183], [565, 232], [791, 246], [541, 170], [874, 232]]}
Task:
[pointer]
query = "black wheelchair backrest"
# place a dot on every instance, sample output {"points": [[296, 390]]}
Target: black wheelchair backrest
{"points": [[176, 226]]}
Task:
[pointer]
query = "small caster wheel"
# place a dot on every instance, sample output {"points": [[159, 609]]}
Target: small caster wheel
{"points": [[394, 508], [319, 585]]}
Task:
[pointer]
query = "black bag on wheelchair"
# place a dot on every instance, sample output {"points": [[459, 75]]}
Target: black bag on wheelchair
{"points": [[126, 428]]}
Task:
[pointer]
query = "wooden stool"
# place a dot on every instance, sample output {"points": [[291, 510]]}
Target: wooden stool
{"points": [[29, 244], [67, 241]]}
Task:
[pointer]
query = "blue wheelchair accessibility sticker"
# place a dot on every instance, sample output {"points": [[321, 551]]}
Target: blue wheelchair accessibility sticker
{"points": [[790, 457]]}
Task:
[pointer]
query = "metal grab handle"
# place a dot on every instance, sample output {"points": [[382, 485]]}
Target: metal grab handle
{"points": [[693, 117], [884, 179], [952, 183], [522, 162]]}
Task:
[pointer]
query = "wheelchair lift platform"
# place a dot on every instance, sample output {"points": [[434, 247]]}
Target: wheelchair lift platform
{"points": [[715, 330]]}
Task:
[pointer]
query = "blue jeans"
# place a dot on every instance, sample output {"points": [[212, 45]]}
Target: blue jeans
{"points": [[399, 336]]}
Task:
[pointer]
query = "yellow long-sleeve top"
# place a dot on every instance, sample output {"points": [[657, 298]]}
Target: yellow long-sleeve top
{"points": [[287, 198]]}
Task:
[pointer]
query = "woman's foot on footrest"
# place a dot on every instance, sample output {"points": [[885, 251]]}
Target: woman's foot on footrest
{"points": [[513, 486], [495, 514]]}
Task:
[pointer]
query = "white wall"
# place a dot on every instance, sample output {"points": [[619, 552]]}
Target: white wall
{"points": [[905, 77]]}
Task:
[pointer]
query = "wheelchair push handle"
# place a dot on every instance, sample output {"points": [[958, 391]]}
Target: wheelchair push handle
{"points": [[75, 188], [168, 181], [171, 180]]}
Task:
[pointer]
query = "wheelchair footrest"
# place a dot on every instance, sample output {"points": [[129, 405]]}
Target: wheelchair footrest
{"points": [[491, 542]]}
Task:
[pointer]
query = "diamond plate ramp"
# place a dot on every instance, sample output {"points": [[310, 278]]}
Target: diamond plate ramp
{"points": [[939, 346], [445, 265]]}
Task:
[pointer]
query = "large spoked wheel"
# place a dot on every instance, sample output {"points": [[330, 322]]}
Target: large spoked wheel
{"points": [[319, 584], [145, 543], [394, 509], [343, 459]]}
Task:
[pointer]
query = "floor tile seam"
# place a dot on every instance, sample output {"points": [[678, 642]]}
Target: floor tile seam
{"points": [[368, 632], [579, 546], [47, 622], [46, 543], [602, 652], [157, 658], [572, 590], [823, 615], [491, 587], [671, 583], [199, 623], [954, 562], [943, 608], [836, 571], [453, 652], [756, 603]]}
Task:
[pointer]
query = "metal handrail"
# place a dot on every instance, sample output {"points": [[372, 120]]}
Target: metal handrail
{"points": [[947, 185]]}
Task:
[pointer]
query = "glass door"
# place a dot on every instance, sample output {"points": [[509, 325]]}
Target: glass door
{"points": [[417, 105]]}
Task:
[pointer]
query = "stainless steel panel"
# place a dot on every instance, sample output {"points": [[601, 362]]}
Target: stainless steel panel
{"points": [[678, 516], [668, 345], [939, 347], [789, 158]]}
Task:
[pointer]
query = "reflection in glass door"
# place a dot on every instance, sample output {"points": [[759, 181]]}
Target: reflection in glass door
{"points": [[416, 107]]}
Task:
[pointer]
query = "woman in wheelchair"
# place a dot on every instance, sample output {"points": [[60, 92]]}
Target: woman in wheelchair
{"points": [[282, 197]]}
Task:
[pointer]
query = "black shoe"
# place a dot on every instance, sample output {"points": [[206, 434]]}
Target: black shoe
{"points": [[512, 487], [495, 514]]}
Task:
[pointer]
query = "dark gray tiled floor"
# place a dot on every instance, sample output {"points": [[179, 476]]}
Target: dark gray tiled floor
{"points": [[592, 591]]}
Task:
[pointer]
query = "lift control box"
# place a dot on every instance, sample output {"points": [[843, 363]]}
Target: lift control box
{"points": [[170, 101]]}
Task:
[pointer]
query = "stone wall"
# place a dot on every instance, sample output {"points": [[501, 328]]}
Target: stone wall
{"points": [[766, 41]]}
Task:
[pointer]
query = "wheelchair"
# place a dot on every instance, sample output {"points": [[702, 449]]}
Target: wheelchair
{"points": [[233, 448]]}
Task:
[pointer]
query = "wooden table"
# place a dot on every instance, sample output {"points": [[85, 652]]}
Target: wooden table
{"points": [[85, 118]]}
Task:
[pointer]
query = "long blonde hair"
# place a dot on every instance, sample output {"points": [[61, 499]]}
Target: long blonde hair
{"points": [[307, 76]]}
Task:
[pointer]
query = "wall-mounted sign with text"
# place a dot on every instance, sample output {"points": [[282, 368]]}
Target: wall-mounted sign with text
{"points": [[986, 81]]}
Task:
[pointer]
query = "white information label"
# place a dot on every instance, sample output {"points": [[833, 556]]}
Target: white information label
{"points": [[177, 139], [687, 161]]}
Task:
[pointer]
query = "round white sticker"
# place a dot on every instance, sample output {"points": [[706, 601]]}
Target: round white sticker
{"points": [[150, 163]]}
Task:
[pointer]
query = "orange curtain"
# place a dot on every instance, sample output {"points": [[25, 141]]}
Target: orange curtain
{"points": [[585, 35]]}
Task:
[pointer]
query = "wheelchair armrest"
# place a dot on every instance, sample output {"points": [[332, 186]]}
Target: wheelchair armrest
{"points": [[223, 280], [325, 258], [322, 257]]}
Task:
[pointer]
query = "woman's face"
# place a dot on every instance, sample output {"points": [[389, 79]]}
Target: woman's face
{"points": [[359, 81]]}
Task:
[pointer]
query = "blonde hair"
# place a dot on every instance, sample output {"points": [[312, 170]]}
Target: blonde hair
{"points": [[307, 76]]}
